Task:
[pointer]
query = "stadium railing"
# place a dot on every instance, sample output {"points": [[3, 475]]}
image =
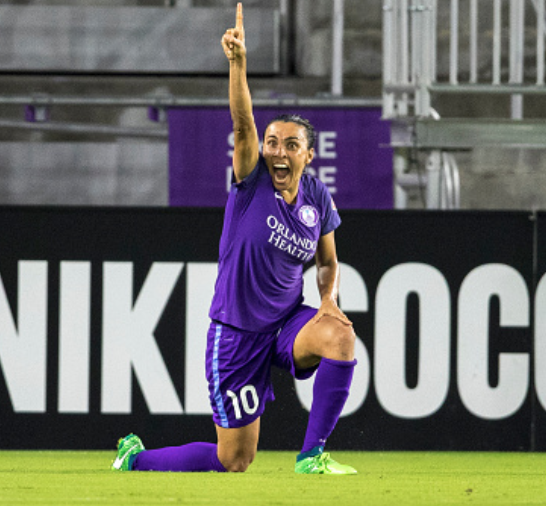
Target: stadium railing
{"points": [[413, 82]]}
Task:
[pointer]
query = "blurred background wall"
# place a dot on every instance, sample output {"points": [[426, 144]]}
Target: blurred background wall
{"points": [[78, 49]]}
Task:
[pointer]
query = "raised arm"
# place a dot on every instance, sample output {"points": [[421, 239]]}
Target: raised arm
{"points": [[246, 145]]}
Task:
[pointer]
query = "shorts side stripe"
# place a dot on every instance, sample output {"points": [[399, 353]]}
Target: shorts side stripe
{"points": [[216, 375]]}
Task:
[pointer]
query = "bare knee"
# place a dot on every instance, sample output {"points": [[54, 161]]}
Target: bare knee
{"points": [[237, 447], [327, 338], [346, 343], [339, 341], [237, 462]]}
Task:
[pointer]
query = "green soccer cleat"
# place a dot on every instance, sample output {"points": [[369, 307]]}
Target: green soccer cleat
{"points": [[322, 464], [128, 448]]}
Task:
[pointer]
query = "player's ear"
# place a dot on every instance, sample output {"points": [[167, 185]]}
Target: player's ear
{"points": [[310, 156]]}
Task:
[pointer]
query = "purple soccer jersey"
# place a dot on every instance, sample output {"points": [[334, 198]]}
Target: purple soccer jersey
{"points": [[265, 244]]}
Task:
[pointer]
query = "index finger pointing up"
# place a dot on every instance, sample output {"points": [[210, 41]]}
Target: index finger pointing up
{"points": [[239, 19]]}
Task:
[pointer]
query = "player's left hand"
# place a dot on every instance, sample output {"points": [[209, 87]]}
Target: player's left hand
{"points": [[328, 307], [233, 40]]}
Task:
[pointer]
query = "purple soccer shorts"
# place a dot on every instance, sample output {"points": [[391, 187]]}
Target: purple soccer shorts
{"points": [[238, 367]]}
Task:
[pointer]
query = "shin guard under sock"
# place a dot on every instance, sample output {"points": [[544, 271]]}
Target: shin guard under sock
{"points": [[330, 392]]}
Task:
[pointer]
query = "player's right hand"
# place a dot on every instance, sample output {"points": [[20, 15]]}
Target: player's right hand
{"points": [[233, 40]]}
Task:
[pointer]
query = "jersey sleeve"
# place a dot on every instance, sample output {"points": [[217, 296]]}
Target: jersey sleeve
{"points": [[330, 216]]}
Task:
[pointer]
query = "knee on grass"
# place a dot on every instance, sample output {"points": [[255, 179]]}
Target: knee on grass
{"points": [[237, 462], [237, 465]]}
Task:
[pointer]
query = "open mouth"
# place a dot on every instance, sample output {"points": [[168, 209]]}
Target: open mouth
{"points": [[280, 172]]}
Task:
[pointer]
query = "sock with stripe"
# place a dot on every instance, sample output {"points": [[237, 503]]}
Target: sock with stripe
{"points": [[193, 457]]}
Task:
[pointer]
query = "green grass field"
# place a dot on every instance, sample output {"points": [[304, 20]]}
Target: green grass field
{"points": [[59, 477]]}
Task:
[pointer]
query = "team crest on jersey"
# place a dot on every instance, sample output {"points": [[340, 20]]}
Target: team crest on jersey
{"points": [[308, 215]]}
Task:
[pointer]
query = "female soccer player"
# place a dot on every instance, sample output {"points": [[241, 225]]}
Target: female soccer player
{"points": [[277, 218]]}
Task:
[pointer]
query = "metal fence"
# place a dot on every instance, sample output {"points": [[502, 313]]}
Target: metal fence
{"points": [[491, 47], [411, 52]]}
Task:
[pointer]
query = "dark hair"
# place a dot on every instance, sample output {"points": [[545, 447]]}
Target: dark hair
{"points": [[298, 120]]}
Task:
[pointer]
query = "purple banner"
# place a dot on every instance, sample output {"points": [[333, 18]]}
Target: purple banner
{"points": [[348, 158]]}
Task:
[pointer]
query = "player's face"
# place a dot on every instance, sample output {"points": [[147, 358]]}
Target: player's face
{"points": [[286, 155]]}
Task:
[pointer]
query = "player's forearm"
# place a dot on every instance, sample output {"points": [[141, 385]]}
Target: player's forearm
{"points": [[240, 101], [328, 282]]}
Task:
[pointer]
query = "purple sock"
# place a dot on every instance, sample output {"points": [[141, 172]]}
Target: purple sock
{"points": [[191, 457], [330, 392]]}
